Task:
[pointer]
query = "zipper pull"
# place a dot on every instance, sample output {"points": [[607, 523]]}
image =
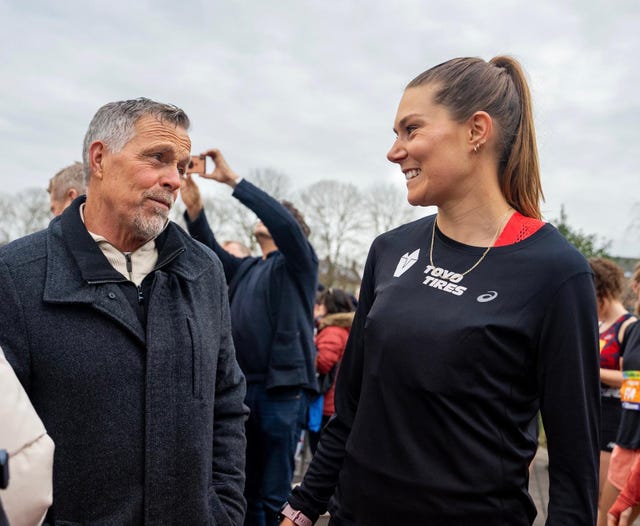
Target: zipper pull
{"points": [[140, 295], [127, 257]]}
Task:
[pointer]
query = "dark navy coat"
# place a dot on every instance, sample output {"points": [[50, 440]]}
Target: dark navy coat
{"points": [[271, 299], [148, 424]]}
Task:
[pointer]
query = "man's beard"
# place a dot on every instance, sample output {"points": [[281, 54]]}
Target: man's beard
{"points": [[149, 224]]}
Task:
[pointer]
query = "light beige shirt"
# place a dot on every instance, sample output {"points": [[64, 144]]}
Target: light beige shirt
{"points": [[132, 265]]}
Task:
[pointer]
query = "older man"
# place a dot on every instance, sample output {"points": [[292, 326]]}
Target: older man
{"points": [[117, 325], [65, 186]]}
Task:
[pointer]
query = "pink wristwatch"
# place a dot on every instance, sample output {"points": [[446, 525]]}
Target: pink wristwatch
{"points": [[296, 516]]}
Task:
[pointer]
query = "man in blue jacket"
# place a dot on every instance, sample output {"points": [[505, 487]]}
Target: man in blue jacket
{"points": [[272, 299], [117, 324]]}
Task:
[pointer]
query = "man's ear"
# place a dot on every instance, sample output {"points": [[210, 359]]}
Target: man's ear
{"points": [[480, 127], [97, 151]]}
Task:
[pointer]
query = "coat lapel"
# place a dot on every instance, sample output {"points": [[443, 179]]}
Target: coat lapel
{"points": [[78, 272]]}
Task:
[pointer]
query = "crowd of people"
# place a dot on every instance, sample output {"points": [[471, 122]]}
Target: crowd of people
{"points": [[173, 372]]}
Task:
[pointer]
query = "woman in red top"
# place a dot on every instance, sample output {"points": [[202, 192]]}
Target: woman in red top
{"points": [[333, 312]]}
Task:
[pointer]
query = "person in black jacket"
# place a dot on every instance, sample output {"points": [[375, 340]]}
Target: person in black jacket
{"points": [[272, 300], [621, 493]]}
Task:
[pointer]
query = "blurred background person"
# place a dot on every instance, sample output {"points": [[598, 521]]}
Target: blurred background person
{"points": [[626, 507], [65, 186], [272, 298], [624, 465], [22, 434], [613, 319], [635, 286], [333, 313], [621, 492], [236, 248]]}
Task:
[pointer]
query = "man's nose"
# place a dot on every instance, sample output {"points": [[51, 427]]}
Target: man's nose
{"points": [[171, 179]]}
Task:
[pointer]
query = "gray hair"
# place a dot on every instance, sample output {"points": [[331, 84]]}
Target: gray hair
{"points": [[114, 123], [69, 177]]}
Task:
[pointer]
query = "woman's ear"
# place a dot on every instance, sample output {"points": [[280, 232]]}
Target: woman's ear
{"points": [[480, 128]]}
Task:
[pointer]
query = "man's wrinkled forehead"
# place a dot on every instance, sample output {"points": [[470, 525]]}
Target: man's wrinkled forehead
{"points": [[153, 130]]}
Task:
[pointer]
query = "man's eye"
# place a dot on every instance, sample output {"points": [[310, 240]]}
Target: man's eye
{"points": [[411, 128]]}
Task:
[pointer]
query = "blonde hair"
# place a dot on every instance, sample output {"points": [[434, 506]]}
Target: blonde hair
{"points": [[69, 177]]}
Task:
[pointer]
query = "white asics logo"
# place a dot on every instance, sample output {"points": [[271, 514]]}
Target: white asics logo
{"points": [[406, 262], [487, 296]]}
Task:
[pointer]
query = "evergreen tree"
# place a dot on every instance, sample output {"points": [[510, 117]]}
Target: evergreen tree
{"points": [[590, 245]]}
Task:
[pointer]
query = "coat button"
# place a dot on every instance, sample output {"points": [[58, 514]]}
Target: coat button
{"points": [[112, 295]]}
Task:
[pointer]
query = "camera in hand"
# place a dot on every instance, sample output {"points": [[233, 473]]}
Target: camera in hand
{"points": [[197, 164]]}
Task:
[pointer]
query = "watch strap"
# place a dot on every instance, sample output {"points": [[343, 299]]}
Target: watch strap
{"points": [[296, 516]]}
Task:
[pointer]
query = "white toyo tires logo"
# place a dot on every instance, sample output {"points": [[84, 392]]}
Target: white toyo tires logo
{"points": [[406, 262]]}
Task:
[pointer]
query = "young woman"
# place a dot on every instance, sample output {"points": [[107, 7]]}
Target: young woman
{"points": [[613, 319], [468, 323], [333, 313]]}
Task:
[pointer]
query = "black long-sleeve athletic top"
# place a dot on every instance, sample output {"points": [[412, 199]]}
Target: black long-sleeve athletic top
{"points": [[629, 430], [442, 380]]}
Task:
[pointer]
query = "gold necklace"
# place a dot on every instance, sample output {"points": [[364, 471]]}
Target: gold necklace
{"points": [[495, 238]]}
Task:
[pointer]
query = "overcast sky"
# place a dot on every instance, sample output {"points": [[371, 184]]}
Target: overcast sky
{"points": [[310, 88]]}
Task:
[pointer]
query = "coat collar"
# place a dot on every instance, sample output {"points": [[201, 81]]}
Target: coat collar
{"points": [[75, 261], [339, 319]]}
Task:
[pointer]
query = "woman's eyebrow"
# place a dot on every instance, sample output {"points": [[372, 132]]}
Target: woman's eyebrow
{"points": [[404, 120]]}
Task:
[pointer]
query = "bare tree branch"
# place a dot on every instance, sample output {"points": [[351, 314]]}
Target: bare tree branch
{"points": [[23, 213], [387, 207], [335, 213], [230, 219]]}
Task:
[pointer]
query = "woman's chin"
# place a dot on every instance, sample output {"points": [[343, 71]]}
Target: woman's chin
{"points": [[415, 200]]}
